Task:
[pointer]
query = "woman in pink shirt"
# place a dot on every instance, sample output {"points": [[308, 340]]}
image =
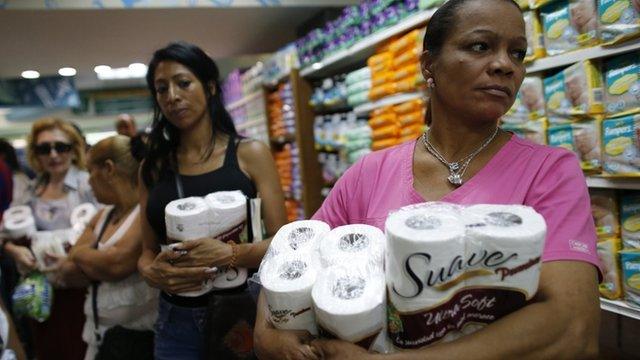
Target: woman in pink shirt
{"points": [[473, 63]]}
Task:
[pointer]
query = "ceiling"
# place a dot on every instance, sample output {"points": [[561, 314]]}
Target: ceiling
{"points": [[46, 40]]}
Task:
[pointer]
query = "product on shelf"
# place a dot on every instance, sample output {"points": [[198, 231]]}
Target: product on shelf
{"points": [[604, 209], [393, 125], [611, 285], [575, 91], [288, 165], [281, 110], [330, 94], [534, 4], [630, 261], [232, 87], [529, 104], [630, 219], [524, 4], [532, 130], [622, 84], [535, 36], [244, 98], [619, 20], [280, 64], [621, 146], [583, 138], [428, 4], [568, 25]]}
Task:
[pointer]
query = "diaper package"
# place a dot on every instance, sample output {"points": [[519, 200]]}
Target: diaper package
{"points": [[524, 4], [619, 20], [604, 208], [529, 104], [575, 91], [611, 285], [630, 220], [582, 138], [621, 145], [569, 25], [534, 4], [532, 130], [622, 83], [535, 36], [631, 276]]}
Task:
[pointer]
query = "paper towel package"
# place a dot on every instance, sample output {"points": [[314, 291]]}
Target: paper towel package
{"points": [[300, 236], [353, 242], [451, 270], [187, 219], [349, 303], [287, 281]]}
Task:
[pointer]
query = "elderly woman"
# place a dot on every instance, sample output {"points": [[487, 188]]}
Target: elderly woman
{"points": [[473, 63], [55, 151]]}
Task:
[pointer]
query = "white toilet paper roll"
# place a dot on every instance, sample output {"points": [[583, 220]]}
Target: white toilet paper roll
{"points": [[207, 285], [187, 219], [82, 214], [287, 281], [356, 242], [46, 243], [228, 211], [350, 303], [17, 211], [300, 236], [513, 237], [20, 226]]}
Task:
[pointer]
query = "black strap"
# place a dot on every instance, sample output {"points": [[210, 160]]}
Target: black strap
{"points": [[94, 284], [179, 188]]}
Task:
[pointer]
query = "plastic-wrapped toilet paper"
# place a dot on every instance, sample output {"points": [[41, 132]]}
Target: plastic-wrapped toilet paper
{"points": [[353, 242], [187, 219], [349, 303], [20, 226], [287, 281], [300, 236], [451, 271], [82, 214], [17, 211], [46, 243]]}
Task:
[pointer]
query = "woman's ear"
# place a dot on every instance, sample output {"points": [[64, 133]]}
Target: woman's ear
{"points": [[426, 67], [110, 167], [212, 88]]}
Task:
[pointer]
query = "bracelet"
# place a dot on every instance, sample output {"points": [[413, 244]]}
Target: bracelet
{"points": [[234, 253]]}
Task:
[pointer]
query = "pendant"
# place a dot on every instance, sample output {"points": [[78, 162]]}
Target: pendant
{"points": [[453, 166], [455, 179]]}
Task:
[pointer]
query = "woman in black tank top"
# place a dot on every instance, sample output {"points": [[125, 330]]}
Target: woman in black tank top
{"points": [[195, 150]]}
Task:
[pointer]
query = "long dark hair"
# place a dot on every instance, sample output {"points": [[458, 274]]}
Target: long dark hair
{"points": [[10, 156], [164, 138]]}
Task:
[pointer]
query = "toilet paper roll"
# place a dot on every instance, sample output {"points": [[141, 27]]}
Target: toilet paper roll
{"points": [[510, 238], [17, 211], [46, 243], [20, 226], [82, 214], [228, 211], [187, 219], [299, 236], [287, 281], [207, 285], [356, 242], [349, 303]]}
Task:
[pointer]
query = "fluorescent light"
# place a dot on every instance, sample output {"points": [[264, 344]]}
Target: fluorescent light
{"points": [[102, 68], [137, 70], [30, 74], [67, 71], [316, 66]]}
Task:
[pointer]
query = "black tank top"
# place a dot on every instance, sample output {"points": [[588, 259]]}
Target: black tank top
{"points": [[229, 177]]}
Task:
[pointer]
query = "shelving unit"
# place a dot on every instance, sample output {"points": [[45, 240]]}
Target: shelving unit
{"points": [[386, 101], [244, 100], [613, 183], [569, 58], [620, 307]]}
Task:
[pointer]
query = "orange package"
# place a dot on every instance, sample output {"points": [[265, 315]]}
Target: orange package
{"points": [[385, 132], [412, 130], [408, 84], [381, 78], [411, 137], [412, 38], [409, 70], [380, 58], [382, 91], [409, 106], [383, 120], [415, 117], [381, 111], [382, 144], [410, 56]]}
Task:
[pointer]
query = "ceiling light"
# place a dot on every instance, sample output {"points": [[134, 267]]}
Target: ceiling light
{"points": [[102, 68], [67, 71], [30, 74], [137, 70], [316, 66]]}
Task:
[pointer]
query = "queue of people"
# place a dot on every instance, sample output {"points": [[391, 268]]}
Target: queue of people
{"points": [[117, 293]]}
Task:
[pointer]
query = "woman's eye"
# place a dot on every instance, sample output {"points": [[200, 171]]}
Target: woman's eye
{"points": [[520, 54], [161, 89], [184, 83], [479, 47]]}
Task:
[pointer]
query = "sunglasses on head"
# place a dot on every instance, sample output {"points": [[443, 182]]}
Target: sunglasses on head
{"points": [[59, 146]]}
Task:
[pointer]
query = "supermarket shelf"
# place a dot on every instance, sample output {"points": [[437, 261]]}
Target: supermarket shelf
{"points": [[252, 123], [274, 83], [283, 139], [236, 104], [613, 183], [579, 55], [364, 48], [620, 307], [364, 109]]}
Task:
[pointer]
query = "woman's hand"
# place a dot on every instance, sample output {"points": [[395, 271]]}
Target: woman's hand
{"points": [[172, 279], [23, 257], [64, 273], [275, 344], [204, 252], [338, 349]]}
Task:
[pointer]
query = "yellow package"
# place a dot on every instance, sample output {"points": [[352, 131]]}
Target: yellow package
{"points": [[406, 71], [533, 130], [411, 130], [534, 4], [380, 58], [604, 209], [408, 84], [524, 4], [409, 106], [583, 139], [619, 20], [575, 91], [385, 132], [622, 84], [630, 219], [415, 117], [529, 104], [382, 144], [381, 111], [630, 261], [621, 155], [382, 91], [569, 25], [410, 56], [383, 120], [381, 78], [611, 285], [411, 39], [411, 137], [535, 36]]}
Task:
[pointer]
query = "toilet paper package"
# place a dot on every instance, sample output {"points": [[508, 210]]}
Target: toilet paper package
{"points": [[604, 209], [621, 146], [46, 243], [302, 236], [20, 227], [611, 285], [622, 84], [529, 104], [619, 20], [630, 220], [82, 214], [535, 36], [631, 276], [187, 219], [17, 211], [287, 281], [575, 91], [357, 242], [451, 270], [349, 303]]}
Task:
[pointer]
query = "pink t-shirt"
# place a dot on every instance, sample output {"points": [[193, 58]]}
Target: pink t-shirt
{"points": [[548, 179]]}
